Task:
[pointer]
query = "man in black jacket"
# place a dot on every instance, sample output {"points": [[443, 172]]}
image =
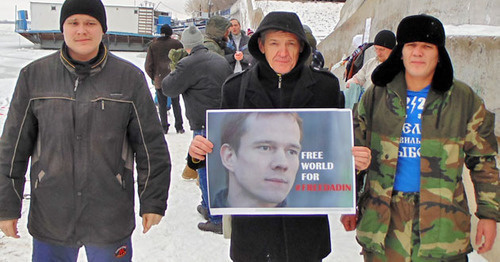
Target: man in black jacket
{"points": [[82, 116], [157, 66], [280, 79], [199, 77]]}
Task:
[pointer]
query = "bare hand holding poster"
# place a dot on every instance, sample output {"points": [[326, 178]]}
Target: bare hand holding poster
{"points": [[275, 161]]}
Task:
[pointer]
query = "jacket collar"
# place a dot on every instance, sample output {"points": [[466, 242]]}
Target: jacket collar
{"points": [[197, 48], [398, 86], [435, 102], [84, 69], [301, 94]]}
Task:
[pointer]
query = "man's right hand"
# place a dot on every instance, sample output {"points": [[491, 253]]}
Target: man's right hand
{"points": [[353, 80], [9, 228], [200, 147], [349, 222], [238, 55]]}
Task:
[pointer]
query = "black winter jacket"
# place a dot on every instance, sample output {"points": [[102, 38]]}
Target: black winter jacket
{"points": [[199, 78], [230, 50], [280, 238], [82, 134]]}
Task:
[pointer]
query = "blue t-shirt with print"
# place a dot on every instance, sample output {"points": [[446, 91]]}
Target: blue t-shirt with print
{"points": [[408, 168]]}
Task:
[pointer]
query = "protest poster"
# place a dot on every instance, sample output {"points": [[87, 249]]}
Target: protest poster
{"points": [[280, 161]]}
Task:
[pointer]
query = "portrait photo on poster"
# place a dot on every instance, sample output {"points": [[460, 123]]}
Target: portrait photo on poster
{"points": [[280, 161]]}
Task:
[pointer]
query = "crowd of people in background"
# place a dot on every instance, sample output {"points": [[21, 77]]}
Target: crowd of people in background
{"points": [[83, 117]]}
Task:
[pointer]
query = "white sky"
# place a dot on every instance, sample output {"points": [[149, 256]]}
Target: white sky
{"points": [[8, 7]]}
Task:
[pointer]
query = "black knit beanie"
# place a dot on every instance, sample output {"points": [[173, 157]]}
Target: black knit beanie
{"points": [[166, 30], [93, 8], [418, 28], [386, 39]]}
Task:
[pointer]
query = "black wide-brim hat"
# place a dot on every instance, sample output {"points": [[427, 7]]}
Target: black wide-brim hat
{"points": [[417, 28], [281, 21]]}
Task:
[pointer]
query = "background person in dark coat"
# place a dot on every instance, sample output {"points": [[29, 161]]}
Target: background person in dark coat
{"points": [[280, 79], [237, 53], [157, 66], [199, 77]]}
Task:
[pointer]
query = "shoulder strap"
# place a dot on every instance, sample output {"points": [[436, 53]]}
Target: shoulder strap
{"points": [[243, 88]]}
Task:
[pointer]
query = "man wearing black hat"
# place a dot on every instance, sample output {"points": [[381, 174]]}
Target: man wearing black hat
{"points": [[82, 116], [280, 79], [383, 44], [422, 126], [157, 66]]}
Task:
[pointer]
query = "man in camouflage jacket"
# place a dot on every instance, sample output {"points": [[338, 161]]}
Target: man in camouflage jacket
{"points": [[216, 34], [456, 129]]}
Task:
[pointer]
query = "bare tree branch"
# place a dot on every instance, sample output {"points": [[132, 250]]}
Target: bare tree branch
{"points": [[197, 5]]}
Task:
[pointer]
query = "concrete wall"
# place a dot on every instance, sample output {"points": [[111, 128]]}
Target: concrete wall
{"points": [[475, 58]]}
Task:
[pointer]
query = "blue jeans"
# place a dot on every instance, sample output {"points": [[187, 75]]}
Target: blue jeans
{"points": [[45, 252], [202, 174]]}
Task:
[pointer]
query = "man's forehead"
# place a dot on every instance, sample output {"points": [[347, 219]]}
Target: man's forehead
{"points": [[81, 17], [252, 122], [381, 47], [278, 34], [419, 43]]}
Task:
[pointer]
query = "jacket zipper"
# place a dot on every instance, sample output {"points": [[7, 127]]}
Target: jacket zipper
{"points": [[279, 81], [76, 83]]}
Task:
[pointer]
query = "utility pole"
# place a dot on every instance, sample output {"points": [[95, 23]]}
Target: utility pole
{"points": [[210, 4]]}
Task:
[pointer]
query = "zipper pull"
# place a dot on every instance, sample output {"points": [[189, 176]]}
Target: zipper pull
{"points": [[279, 81], [102, 105], [76, 84]]}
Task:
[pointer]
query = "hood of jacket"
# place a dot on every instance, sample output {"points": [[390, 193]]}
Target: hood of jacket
{"points": [[216, 28], [282, 21]]}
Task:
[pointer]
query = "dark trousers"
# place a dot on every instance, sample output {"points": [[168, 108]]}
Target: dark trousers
{"points": [[117, 252], [162, 106]]}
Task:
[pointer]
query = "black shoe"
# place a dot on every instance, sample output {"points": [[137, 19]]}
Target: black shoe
{"points": [[211, 227], [180, 131], [203, 211]]}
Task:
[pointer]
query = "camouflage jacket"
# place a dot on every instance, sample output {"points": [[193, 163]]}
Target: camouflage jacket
{"points": [[213, 46], [456, 130]]}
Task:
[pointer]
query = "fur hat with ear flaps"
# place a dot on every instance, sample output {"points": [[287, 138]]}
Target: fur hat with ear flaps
{"points": [[418, 28]]}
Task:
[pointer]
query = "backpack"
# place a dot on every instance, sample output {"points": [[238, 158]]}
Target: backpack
{"points": [[355, 61]]}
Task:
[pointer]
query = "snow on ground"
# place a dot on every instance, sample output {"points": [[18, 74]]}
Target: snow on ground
{"points": [[177, 237]]}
